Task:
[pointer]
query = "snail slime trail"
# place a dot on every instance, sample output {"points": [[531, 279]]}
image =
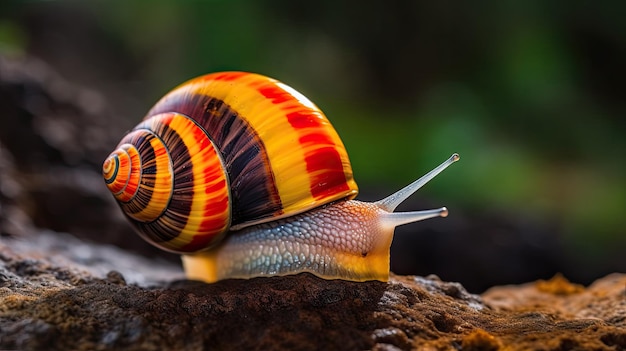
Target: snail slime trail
{"points": [[246, 177]]}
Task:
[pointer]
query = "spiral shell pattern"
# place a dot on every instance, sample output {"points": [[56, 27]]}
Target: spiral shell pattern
{"points": [[222, 152]]}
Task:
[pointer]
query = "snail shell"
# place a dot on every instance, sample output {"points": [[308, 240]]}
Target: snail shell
{"points": [[245, 155], [222, 152]]}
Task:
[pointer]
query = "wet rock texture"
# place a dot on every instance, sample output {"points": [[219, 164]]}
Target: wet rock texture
{"points": [[52, 299]]}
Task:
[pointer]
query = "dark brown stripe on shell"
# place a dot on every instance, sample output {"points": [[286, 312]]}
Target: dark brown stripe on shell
{"points": [[169, 225], [254, 194]]}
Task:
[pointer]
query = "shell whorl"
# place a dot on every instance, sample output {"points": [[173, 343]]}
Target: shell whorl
{"points": [[226, 150], [182, 201]]}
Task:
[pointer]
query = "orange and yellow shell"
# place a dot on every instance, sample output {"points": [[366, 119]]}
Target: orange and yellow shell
{"points": [[224, 151]]}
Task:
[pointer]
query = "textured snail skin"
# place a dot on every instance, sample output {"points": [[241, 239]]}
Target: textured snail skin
{"points": [[345, 240]]}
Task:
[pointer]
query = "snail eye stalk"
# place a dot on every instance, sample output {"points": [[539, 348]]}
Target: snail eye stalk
{"points": [[391, 202]]}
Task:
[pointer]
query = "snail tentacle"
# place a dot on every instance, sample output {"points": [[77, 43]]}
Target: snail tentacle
{"points": [[392, 201], [394, 219]]}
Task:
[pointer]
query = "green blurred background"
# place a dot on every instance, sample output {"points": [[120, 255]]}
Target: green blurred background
{"points": [[529, 93]]}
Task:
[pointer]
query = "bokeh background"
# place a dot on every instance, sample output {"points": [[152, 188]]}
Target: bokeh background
{"points": [[531, 94]]}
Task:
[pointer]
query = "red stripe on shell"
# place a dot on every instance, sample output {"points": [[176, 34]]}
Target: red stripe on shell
{"points": [[333, 179], [135, 175], [276, 94], [226, 76], [324, 165]]}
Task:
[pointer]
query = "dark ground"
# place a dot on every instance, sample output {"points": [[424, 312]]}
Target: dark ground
{"points": [[52, 298]]}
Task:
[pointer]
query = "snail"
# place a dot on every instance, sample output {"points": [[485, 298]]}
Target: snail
{"points": [[246, 177]]}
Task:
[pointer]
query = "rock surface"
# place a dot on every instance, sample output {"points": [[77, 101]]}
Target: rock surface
{"points": [[53, 298]]}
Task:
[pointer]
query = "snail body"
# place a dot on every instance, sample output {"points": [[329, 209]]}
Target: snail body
{"points": [[246, 177]]}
